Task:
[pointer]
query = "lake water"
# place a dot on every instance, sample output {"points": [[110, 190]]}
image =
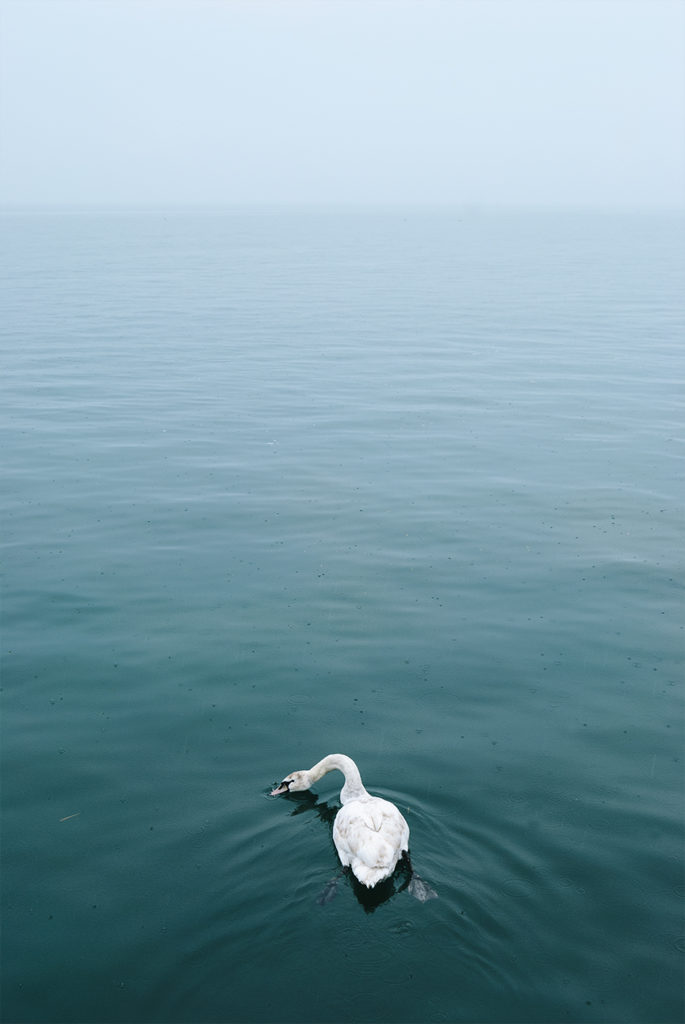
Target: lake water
{"points": [[406, 485]]}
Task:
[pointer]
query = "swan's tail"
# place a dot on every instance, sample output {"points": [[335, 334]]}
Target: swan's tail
{"points": [[369, 876]]}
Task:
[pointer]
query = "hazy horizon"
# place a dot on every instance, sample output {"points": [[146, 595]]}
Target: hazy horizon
{"points": [[472, 105]]}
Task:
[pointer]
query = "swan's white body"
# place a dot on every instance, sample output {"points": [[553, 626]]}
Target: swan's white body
{"points": [[369, 833]]}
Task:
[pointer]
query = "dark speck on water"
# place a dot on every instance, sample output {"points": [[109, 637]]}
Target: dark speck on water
{"points": [[406, 485]]}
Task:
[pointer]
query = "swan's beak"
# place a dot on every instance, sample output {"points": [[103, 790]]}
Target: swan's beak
{"points": [[279, 789]]}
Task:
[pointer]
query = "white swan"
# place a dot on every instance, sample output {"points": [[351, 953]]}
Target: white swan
{"points": [[369, 833]]}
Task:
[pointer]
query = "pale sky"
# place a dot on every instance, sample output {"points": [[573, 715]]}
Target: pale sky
{"points": [[342, 101]]}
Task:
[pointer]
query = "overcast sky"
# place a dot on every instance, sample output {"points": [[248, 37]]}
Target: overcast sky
{"points": [[248, 101]]}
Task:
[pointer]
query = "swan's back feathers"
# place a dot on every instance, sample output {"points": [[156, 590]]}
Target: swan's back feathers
{"points": [[370, 836]]}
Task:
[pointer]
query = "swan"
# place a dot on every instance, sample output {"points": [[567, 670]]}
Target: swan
{"points": [[369, 833]]}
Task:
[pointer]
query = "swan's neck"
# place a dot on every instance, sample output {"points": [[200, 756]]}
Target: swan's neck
{"points": [[353, 788]]}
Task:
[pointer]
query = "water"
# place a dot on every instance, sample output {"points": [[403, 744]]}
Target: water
{"points": [[405, 485]]}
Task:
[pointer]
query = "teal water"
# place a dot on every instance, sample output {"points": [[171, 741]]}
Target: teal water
{"points": [[402, 485]]}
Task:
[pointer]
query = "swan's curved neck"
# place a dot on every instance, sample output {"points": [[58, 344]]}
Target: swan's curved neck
{"points": [[353, 788]]}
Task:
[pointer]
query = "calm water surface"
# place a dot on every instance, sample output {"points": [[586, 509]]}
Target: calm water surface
{"points": [[403, 485]]}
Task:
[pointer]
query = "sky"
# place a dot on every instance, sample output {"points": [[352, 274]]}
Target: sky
{"points": [[492, 102]]}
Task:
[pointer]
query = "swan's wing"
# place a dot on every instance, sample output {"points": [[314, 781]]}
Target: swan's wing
{"points": [[371, 833]]}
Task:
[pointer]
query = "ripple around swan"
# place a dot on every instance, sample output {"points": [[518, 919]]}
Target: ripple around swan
{"points": [[497, 874]]}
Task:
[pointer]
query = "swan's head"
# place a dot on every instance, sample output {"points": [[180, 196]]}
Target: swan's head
{"points": [[296, 782]]}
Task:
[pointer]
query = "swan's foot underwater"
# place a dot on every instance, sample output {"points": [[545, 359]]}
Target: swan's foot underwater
{"points": [[329, 891], [420, 890]]}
